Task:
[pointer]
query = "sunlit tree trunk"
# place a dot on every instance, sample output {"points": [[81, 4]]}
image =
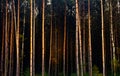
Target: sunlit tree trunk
{"points": [[89, 41], [80, 44], [17, 41], [103, 42], [112, 39], [43, 48], [6, 40], [84, 50], [50, 40], [77, 24], [31, 38], [64, 43]]}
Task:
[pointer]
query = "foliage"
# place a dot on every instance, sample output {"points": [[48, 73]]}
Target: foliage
{"points": [[27, 72], [96, 71]]}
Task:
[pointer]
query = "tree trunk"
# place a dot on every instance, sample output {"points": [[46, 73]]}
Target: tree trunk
{"points": [[6, 40], [89, 41], [64, 43], [77, 24], [103, 42], [84, 48], [17, 41], [112, 39], [34, 40], [50, 40], [80, 43], [11, 46], [31, 38], [43, 49]]}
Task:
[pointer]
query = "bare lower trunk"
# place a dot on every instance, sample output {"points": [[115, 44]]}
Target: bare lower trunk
{"points": [[64, 43], [84, 50], [34, 40], [31, 39], [11, 46], [80, 45], [112, 39], [6, 41], [77, 24], [103, 42], [43, 48], [17, 41], [89, 42], [50, 41]]}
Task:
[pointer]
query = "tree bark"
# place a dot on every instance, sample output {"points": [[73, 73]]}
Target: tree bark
{"points": [[43, 48], [112, 39], [64, 43], [31, 38], [103, 42], [6, 40], [77, 24], [89, 41]]}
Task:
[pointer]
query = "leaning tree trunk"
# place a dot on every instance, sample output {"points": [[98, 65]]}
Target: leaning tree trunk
{"points": [[103, 42], [64, 43], [77, 24], [89, 42], [112, 39], [43, 48]]}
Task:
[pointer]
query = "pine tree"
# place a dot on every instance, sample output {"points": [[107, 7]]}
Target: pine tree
{"points": [[89, 41], [43, 48], [103, 42], [17, 41], [77, 24]]}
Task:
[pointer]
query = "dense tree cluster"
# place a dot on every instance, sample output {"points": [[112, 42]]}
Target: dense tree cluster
{"points": [[59, 37]]}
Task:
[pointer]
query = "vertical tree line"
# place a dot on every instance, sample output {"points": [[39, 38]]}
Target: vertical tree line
{"points": [[66, 37]]}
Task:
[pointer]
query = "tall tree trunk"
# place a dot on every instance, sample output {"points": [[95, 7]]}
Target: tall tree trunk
{"points": [[14, 13], [17, 41], [6, 39], [80, 44], [34, 39], [50, 40], [43, 48], [112, 39], [11, 46], [89, 41], [84, 48], [31, 38], [103, 42], [77, 24], [64, 43]]}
